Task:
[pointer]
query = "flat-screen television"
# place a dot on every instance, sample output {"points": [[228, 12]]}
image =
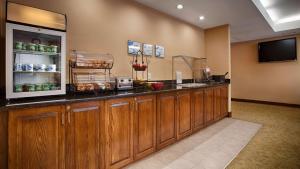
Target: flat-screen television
{"points": [[278, 50]]}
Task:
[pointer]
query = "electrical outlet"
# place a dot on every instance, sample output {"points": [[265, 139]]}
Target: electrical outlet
{"points": [[149, 76]]}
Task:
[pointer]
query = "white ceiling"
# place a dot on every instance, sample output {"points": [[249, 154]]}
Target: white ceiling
{"points": [[246, 21], [281, 15]]}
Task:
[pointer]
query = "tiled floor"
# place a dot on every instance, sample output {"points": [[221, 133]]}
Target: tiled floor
{"points": [[212, 148]]}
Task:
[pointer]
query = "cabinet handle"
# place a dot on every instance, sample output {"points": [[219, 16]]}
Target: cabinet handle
{"points": [[85, 109], [69, 113], [63, 119], [136, 106], [69, 117]]}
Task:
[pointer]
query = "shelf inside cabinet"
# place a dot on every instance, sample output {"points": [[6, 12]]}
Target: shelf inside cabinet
{"points": [[17, 51], [35, 72]]}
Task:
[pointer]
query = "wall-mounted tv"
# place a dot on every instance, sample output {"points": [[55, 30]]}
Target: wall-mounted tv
{"points": [[278, 50]]}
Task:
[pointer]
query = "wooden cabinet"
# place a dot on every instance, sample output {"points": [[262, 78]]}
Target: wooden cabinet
{"points": [[184, 115], [119, 132], [217, 103], [82, 135], [108, 134], [144, 126], [166, 119], [198, 109], [224, 101], [36, 138], [209, 105]]}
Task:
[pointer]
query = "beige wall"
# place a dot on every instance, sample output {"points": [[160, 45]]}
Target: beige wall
{"points": [[217, 51], [106, 25], [275, 82]]}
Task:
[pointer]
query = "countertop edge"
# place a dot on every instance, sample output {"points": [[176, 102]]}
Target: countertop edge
{"points": [[68, 99]]}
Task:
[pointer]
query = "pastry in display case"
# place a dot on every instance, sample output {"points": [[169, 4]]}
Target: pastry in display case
{"points": [[91, 72]]}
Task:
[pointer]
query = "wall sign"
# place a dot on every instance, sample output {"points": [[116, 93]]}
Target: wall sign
{"points": [[133, 47], [159, 51], [148, 49]]}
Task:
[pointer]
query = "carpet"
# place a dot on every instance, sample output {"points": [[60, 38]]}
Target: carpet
{"points": [[277, 143]]}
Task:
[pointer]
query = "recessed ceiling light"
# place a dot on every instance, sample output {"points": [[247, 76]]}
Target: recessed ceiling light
{"points": [[179, 6], [201, 17]]}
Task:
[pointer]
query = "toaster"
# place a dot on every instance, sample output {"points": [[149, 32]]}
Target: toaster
{"points": [[124, 83]]}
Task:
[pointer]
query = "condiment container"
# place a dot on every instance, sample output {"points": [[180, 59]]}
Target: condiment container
{"points": [[51, 68], [27, 67], [18, 67]]}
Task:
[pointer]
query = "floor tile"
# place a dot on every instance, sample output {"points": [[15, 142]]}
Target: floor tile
{"points": [[211, 148]]}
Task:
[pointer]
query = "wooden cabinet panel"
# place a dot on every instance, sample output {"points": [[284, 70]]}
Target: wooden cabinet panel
{"points": [[166, 119], [217, 103], [198, 109], [119, 132], [144, 126], [83, 135], [224, 101], [209, 105], [4, 140], [184, 116], [36, 138]]}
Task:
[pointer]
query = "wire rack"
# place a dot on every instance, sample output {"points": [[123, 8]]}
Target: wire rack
{"points": [[91, 71]]}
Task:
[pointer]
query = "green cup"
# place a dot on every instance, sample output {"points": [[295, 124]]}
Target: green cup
{"points": [[52, 86], [31, 46], [42, 47], [19, 45], [46, 87], [38, 87], [24, 46], [48, 49], [54, 48], [18, 88], [31, 87]]}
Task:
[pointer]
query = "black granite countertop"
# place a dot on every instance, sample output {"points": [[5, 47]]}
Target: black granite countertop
{"points": [[72, 97]]}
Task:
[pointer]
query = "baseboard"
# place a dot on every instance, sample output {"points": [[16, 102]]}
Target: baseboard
{"points": [[265, 102], [229, 114]]}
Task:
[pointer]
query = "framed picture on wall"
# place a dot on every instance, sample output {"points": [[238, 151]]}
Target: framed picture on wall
{"points": [[159, 51], [148, 49], [133, 47]]}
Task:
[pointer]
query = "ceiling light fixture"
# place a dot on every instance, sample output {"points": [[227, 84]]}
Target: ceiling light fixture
{"points": [[201, 17], [275, 13], [289, 19], [179, 6]]}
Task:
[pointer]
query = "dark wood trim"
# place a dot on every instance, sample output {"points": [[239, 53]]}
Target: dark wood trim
{"points": [[229, 114], [4, 140], [265, 102]]}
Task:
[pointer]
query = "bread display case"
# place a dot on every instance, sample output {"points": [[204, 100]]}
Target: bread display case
{"points": [[91, 72]]}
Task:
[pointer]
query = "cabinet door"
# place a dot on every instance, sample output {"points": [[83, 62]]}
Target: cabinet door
{"points": [[83, 135], [184, 115], [119, 132], [144, 126], [36, 138], [209, 105], [166, 119], [217, 103], [224, 101], [198, 110]]}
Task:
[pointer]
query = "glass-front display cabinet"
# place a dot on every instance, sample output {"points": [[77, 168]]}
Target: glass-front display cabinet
{"points": [[35, 61]]}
